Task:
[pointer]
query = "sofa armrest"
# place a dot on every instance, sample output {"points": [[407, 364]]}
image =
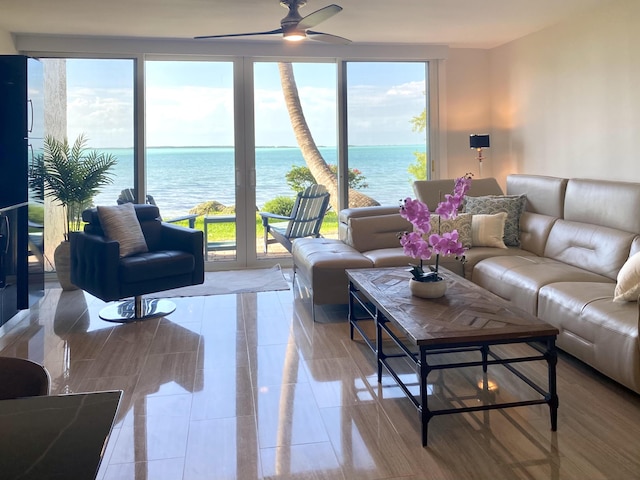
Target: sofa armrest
{"points": [[175, 237], [94, 264]]}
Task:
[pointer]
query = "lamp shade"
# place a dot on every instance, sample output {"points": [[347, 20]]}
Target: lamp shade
{"points": [[479, 141]]}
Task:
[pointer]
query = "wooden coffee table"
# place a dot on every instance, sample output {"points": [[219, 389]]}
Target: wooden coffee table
{"points": [[467, 319]]}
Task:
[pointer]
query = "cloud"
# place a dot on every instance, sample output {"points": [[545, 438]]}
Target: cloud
{"points": [[104, 115], [189, 116], [197, 115]]}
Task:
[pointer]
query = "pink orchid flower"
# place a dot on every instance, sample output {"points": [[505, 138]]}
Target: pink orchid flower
{"points": [[414, 244]]}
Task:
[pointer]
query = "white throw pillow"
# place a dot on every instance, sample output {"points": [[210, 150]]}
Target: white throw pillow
{"points": [[628, 286], [488, 230], [121, 224]]}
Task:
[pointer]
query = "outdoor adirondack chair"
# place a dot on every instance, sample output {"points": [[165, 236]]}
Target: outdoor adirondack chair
{"points": [[305, 219], [128, 196]]}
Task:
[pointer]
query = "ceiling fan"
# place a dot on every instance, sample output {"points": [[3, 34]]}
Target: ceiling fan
{"points": [[294, 27]]}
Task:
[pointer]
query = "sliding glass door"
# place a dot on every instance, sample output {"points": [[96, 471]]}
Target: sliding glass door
{"points": [[295, 136], [190, 154]]}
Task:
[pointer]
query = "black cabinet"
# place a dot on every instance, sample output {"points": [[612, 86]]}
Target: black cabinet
{"points": [[21, 210], [11, 266]]}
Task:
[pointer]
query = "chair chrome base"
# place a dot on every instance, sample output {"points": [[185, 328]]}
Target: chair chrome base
{"points": [[137, 309]]}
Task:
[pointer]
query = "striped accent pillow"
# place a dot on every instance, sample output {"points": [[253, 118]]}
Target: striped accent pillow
{"points": [[488, 230], [121, 224]]}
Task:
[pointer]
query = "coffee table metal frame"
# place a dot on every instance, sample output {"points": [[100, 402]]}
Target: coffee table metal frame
{"points": [[544, 345]]}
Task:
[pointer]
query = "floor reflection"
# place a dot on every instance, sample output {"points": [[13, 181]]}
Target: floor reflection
{"points": [[249, 386]]}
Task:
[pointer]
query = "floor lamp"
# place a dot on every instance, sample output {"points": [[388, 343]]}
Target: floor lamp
{"points": [[479, 142]]}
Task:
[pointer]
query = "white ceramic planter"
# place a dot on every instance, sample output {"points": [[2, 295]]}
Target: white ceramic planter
{"points": [[427, 289], [62, 260]]}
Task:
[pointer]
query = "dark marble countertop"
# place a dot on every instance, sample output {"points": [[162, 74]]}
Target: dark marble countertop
{"points": [[57, 436]]}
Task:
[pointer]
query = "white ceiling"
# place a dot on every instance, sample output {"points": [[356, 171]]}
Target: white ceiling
{"points": [[458, 23]]}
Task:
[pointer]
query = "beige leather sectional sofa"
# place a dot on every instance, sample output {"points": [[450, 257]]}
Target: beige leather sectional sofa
{"points": [[575, 234]]}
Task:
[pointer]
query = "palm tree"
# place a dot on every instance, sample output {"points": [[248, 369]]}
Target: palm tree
{"points": [[70, 175], [312, 156]]}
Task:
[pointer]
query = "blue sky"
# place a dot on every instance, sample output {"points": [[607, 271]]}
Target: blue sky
{"points": [[190, 103]]}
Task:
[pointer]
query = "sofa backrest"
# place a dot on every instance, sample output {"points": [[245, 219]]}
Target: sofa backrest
{"points": [[545, 195], [431, 192], [588, 246], [599, 228], [600, 202]]}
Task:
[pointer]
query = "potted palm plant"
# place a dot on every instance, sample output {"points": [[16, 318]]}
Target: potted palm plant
{"points": [[72, 175]]}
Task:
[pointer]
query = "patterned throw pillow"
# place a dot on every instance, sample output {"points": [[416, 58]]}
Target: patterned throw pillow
{"points": [[462, 223], [512, 205], [121, 224]]}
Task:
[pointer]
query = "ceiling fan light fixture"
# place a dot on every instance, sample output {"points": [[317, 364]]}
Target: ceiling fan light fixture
{"points": [[294, 35]]}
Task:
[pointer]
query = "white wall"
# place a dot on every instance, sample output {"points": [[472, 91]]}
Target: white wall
{"points": [[465, 110], [565, 101], [6, 43]]}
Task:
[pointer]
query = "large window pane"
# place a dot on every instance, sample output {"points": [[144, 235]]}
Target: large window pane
{"points": [[385, 145], [93, 98]]}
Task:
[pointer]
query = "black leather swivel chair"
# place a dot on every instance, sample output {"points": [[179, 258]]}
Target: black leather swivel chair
{"points": [[175, 259]]}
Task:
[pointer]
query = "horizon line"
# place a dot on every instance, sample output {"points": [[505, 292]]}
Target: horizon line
{"points": [[269, 146]]}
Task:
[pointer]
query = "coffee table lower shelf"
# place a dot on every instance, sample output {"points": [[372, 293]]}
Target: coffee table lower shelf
{"points": [[542, 347]]}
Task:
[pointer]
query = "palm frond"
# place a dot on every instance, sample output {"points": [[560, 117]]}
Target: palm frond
{"points": [[72, 175]]}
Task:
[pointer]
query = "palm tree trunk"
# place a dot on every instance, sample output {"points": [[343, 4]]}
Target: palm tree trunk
{"points": [[312, 156]]}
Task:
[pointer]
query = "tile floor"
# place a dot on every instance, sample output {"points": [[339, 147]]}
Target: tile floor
{"points": [[249, 387]]}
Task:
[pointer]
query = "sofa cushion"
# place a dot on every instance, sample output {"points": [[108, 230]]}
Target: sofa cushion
{"points": [[519, 278], [628, 281], [594, 328], [513, 205], [121, 224], [488, 230], [477, 254], [148, 266]]}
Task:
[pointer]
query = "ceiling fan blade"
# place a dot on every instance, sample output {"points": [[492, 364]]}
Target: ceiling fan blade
{"points": [[270, 32], [328, 38], [318, 16]]}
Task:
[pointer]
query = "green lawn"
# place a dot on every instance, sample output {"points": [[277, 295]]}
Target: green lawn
{"points": [[218, 232]]}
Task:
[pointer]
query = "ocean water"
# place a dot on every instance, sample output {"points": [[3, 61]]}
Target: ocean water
{"points": [[179, 178]]}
